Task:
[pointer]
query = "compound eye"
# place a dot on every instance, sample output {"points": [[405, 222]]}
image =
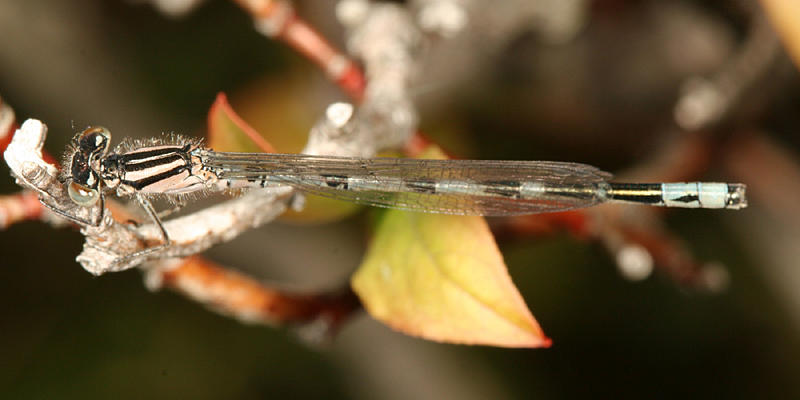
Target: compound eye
{"points": [[82, 195], [94, 140]]}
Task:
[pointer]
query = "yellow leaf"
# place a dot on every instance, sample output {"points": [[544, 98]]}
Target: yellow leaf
{"points": [[442, 277], [785, 17]]}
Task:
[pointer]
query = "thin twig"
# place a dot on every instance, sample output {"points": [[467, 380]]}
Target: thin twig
{"points": [[233, 294], [277, 19], [23, 206], [707, 101]]}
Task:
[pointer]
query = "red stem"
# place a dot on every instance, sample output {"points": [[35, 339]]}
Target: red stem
{"points": [[244, 298]]}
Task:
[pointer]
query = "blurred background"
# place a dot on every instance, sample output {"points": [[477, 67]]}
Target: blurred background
{"points": [[608, 83]]}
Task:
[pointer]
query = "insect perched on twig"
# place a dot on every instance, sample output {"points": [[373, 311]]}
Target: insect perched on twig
{"points": [[462, 187]]}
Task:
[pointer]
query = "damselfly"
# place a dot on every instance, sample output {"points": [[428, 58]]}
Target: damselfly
{"points": [[464, 187]]}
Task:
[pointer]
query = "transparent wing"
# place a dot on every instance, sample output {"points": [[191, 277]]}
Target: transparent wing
{"points": [[464, 187]]}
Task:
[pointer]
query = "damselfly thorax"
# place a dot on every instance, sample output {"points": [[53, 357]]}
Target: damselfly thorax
{"points": [[148, 168]]}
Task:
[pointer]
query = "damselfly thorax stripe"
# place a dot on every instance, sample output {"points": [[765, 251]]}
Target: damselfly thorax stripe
{"points": [[155, 170]]}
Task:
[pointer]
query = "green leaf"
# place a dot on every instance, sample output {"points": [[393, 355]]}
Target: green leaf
{"points": [[442, 277]]}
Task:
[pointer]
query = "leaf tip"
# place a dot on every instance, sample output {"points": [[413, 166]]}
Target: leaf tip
{"points": [[221, 107], [220, 102]]}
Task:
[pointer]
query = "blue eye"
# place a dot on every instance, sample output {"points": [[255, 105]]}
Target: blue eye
{"points": [[82, 195]]}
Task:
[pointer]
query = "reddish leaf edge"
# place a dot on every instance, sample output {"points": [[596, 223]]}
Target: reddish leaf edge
{"points": [[545, 342], [221, 105]]}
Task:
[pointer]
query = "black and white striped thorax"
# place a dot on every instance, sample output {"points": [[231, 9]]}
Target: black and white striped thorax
{"points": [[164, 169]]}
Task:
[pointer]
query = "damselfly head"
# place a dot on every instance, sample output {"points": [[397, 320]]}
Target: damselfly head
{"points": [[83, 186], [91, 146]]}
